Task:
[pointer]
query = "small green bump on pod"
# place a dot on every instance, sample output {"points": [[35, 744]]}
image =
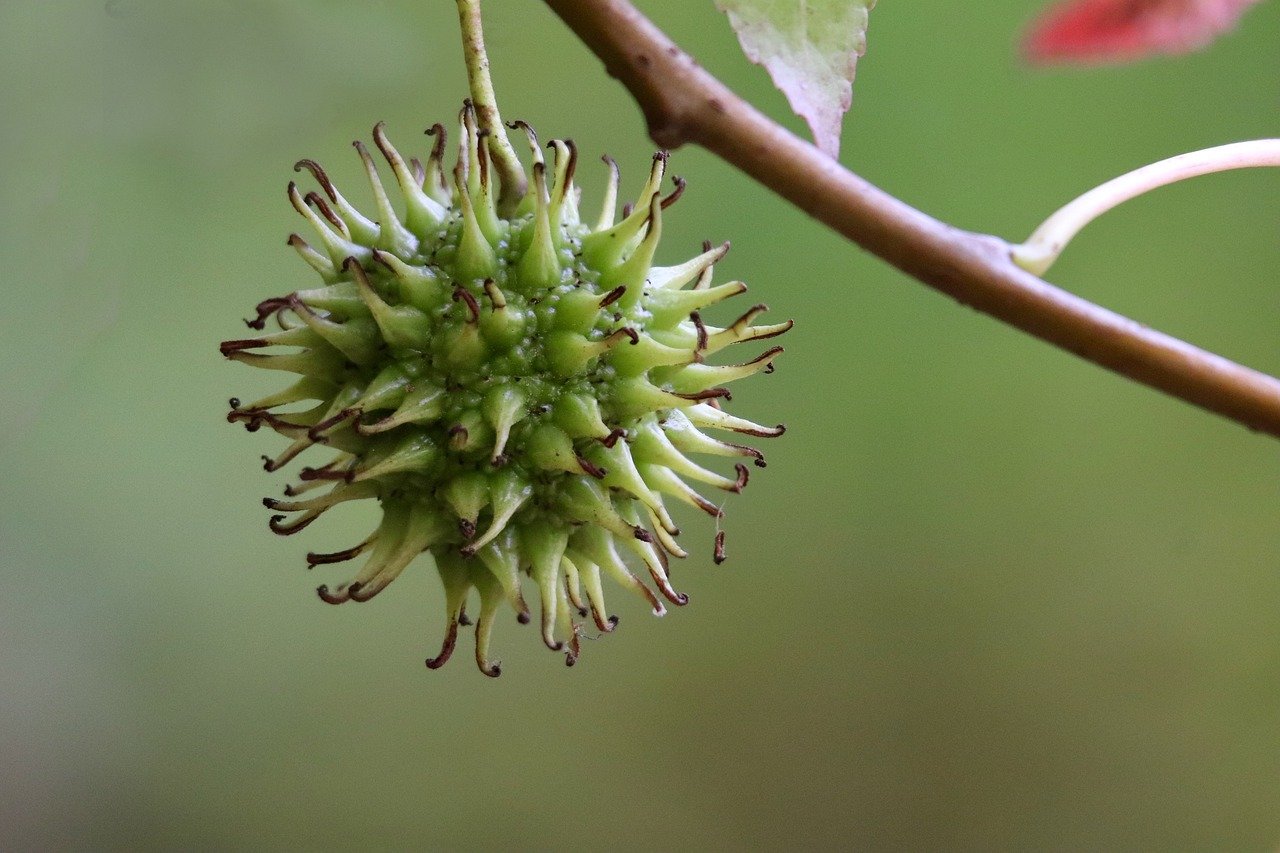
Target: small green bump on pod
{"points": [[467, 494], [551, 449], [357, 338], [632, 272], [469, 432], [423, 214], [579, 416], [569, 353], [423, 402], [637, 396], [508, 492], [545, 548], [475, 260], [412, 453], [646, 355], [464, 348], [577, 311], [385, 391], [502, 558], [419, 286], [503, 407], [589, 503], [539, 267], [503, 326], [340, 298], [402, 326]]}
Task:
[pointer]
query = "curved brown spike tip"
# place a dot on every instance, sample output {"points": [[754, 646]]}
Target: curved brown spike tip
{"points": [[663, 154], [269, 465], [360, 593], [316, 433], [380, 139], [719, 557], [493, 670], [743, 476], [709, 394], [612, 438], [327, 472], [707, 506], [266, 308], [772, 352], [315, 199], [702, 331], [523, 617], [287, 529], [230, 348], [317, 559], [613, 296], [590, 468], [631, 333], [338, 597], [680, 183], [463, 618], [438, 131], [679, 599], [572, 167], [473, 307], [446, 650], [322, 178], [555, 646]]}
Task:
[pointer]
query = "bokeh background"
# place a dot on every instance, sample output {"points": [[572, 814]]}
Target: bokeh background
{"points": [[985, 595]]}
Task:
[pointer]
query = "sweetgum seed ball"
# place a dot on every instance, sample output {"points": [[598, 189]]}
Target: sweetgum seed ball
{"points": [[521, 392]]}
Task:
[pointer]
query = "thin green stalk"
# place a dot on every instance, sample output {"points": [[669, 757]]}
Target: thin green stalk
{"points": [[510, 170]]}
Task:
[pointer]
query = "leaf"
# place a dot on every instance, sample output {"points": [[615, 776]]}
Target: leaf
{"points": [[1113, 31], [810, 48]]}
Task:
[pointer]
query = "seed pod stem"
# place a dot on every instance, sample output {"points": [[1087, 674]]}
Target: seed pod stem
{"points": [[514, 181]]}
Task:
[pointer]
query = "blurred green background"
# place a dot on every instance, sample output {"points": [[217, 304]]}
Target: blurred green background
{"points": [[985, 595]]}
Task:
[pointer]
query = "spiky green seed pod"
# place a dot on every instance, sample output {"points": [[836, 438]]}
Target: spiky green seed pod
{"points": [[520, 394]]}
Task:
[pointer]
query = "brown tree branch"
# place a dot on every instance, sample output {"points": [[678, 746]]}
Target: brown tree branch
{"points": [[683, 103]]}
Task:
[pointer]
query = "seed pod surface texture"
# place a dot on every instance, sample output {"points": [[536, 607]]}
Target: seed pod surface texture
{"points": [[522, 394]]}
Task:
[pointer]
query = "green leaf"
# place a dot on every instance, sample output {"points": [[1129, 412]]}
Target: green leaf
{"points": [[810, 48]]}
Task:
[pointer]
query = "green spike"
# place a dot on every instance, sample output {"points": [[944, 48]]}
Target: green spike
{"points": [[579, 416], [423, 214], [403, 327]]}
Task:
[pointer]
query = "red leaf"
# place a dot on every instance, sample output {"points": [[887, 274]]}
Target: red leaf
{"points": [[1103, 31]]}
